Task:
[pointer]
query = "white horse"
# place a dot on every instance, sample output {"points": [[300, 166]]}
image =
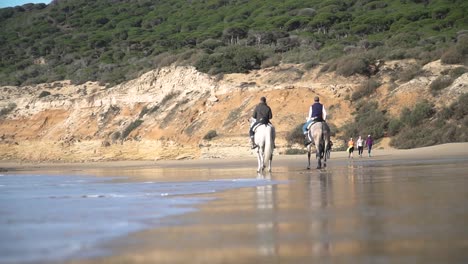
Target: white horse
{"points": [[264, 139], [320, 134]]}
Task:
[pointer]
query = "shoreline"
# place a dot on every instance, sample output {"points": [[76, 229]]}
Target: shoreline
{"points": [[317, 208], [436, 151]]}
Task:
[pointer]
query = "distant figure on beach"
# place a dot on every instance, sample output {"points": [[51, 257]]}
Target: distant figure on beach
{"points": [[369, 143], [350, 148], [262, 115], [360, 146], [317, 113]]}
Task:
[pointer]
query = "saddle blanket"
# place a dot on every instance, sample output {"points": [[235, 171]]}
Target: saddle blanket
{"points": [[310, 125]]}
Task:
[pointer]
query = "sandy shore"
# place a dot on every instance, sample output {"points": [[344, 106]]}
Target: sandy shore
{"points": [[438, 151], [398, 206]]}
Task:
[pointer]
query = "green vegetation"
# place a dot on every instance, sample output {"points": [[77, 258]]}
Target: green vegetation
{"points": [[291, 151], [419, 126], [113, 41], [295, 136], [440, 83], [422, 126], [210, 135], [44, 94], [368, 119], [7, 109], [366, 89], [132, 126]]}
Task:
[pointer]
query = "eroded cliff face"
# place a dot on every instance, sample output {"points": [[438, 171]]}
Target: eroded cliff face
{"points": [[165, 113]]}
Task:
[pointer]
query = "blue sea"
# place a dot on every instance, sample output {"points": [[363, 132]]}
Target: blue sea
{"points": [[55, 218]]}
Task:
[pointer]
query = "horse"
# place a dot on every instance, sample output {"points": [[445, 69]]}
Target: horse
{"points": [[320, 134], [264, 139]]}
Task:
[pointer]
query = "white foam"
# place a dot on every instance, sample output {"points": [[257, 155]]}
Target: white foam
{"points": [[114, 195], [93, 196]]}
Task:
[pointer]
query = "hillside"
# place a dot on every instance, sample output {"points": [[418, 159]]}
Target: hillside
{"points": [[111, 41], [163, 79], [166, 113]]}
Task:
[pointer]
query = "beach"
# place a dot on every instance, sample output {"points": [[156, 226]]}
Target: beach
{"points": [[398, 206]]}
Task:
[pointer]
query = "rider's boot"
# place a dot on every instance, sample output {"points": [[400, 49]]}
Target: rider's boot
{"points": [[252, 143], [306, 140]]}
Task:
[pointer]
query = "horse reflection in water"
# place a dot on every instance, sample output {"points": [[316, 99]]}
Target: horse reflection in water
{"points": [[268, 229], [274, 225]]}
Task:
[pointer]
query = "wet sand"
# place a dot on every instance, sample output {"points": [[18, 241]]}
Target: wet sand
{"points": [[399, 206]]}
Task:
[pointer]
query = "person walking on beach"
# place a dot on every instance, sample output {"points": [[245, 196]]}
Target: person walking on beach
{"points": [[350, 148], [360, 146], [262, 115], [369, 143]]}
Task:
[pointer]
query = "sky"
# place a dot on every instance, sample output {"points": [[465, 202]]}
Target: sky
{"points": [[7, 3]]}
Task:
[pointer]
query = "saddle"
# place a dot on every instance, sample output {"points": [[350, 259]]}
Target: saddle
{"points": [[311, 124], [309, 136], [254, 129]]}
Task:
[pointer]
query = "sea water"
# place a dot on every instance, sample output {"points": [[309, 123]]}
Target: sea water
{"points": [[54, 218]]}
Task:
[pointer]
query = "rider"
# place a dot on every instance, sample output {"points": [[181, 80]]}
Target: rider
{"points": [[262, 115], [317, 113]]}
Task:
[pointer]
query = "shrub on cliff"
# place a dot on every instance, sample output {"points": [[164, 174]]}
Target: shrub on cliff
{"points": [[7, 109], [295, 135], [452, 56], [421, 111], [440, 83], [368, 119], [422, 126], [230, 59], [132, 126], [365, 89], [351, 65], [210, 135], [44, 94]]}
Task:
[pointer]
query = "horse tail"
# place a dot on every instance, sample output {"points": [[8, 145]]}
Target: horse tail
{"points": [[326, 138], [268, 153], [321, 145]]}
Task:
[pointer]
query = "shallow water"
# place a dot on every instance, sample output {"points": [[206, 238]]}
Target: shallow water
{"points": [[359, 211], [48, 218], [354, 211]]}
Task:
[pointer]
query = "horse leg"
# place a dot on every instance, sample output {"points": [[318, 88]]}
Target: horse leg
{"points": [[260, 160], [269, 165], [325, 158], [319, 159], [308, 158], [325, 153]]}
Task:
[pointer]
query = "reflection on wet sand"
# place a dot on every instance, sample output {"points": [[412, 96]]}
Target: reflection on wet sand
{"points": [[361, 211]]}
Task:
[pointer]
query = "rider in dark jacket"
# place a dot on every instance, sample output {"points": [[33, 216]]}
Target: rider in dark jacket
{"points": [[262, 115]]}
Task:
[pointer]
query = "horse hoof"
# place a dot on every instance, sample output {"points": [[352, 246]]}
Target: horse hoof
{"points": [[318, 167], [308, 168]]}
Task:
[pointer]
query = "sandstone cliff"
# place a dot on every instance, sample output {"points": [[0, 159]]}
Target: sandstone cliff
{"points": [[165, 113]]}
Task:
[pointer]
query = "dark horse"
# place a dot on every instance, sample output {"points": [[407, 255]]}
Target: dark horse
{"points": [[319, 133]]}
